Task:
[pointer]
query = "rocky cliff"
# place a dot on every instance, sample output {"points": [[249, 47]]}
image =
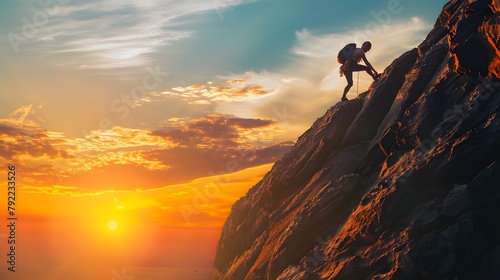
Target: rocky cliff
{"points": [[400, 183]]}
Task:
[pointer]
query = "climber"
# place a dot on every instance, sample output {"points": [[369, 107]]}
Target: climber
{"points": [[351, 64]]}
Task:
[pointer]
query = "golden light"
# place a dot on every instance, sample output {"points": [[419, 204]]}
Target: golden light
{"points": [[112, 225]]}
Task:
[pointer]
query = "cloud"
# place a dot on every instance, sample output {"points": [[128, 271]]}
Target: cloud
{"points": [[229, 91], [196, 162], [218, 144], [116, 146], [219, 131], [115, 41], [55, 189], [120, 158], [44, 153], [19, 135], [16, 142], [248, 123], [117, 34]]}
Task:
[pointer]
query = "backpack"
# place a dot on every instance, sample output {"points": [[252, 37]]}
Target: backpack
{"points": [[345, 53]]}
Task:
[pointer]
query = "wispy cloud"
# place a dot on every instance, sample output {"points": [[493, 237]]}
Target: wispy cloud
{"points": [[116, 34]]}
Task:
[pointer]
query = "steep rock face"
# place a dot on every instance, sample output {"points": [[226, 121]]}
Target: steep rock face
{"points": [[401, 183]]}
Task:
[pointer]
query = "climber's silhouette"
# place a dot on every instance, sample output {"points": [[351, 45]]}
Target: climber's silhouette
{"points": [[350, 56]]}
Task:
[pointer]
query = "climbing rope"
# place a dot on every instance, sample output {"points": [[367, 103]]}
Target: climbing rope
{"points": [[357, 85]]}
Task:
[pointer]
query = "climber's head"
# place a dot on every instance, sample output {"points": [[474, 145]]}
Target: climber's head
{"points": [[366, 46]]}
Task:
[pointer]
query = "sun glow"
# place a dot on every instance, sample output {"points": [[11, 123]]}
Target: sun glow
{"points": [[112, 225]]}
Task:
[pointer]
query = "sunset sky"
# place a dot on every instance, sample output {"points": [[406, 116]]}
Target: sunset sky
{"points": [[157, 116]]}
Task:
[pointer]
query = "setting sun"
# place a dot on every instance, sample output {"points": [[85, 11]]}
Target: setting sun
{"points": [[112, 225]]}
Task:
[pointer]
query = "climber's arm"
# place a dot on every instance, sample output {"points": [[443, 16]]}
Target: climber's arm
{"points": [[368, 64]]}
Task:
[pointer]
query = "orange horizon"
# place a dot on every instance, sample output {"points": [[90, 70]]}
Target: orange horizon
{"points": [[64, 230]]}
